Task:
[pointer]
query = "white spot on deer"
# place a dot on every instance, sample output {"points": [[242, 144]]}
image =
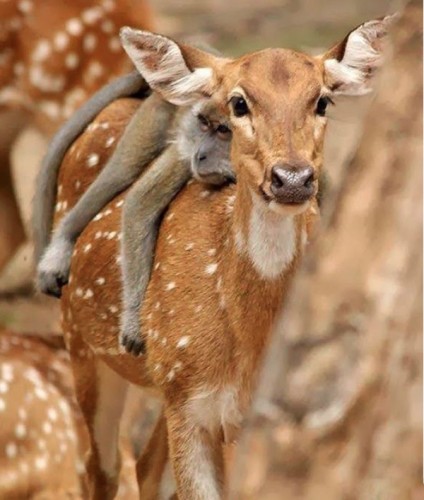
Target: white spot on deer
{"points": [[164, 341], [170, 216], [94, 70], [52, 414], [89, 43], [118, 259], [108, 144], [183, 342], [87, 247], [170, 376], [113, 309], [88, 294], [51, 108], [170, 286], [189, 246], [100, 281], [205, 194], [11, 450], [20, 430], [61, 41], [4, 387], [98, 216], [92, 160], [45, 81], [157, 367], [211, 268], [198, 309], [77, 185], [42, 51], [115, 44], [25, 6], [41, 393], [98, 235], [74, 27], [71, 60], [211, 252], [79, 292], [91, 16], [157, 266], [157, 306], [119, 203], [41, 463], [111, 235], [107, 26], [7, 372], [47, 428], [108, 211]]}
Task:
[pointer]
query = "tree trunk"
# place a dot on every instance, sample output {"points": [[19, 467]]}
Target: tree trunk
{"points": [[338, 412]]}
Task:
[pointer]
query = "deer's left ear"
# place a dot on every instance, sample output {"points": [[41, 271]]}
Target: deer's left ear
{"points": [[351, 64]]}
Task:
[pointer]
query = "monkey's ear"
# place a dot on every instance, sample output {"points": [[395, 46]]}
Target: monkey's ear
{"points": [[180, 73], [351, 64]]}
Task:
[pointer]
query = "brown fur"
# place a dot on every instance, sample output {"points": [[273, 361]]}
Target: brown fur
{"points": [[226, 311]]}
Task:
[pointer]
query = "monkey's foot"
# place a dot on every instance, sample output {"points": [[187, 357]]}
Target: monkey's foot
{"points": [[53, 269], [130, 337]]}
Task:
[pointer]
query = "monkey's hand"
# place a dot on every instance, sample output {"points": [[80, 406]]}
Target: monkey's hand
{"points": [[53, 269], [130, 337]]}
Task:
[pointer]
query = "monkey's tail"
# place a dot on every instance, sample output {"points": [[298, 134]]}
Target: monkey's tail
{"points": [[46, 185]]}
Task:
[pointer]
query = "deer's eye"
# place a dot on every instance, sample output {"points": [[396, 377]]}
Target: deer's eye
{"points": [[223, 131], [322, 104], [239, 106], [203, 122]]}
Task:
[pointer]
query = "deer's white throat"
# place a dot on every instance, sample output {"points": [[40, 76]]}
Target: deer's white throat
{"points": [[270, 241]]}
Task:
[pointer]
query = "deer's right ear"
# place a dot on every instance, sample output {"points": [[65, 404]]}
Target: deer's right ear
{"points": [[181, 74], [351, 64]]}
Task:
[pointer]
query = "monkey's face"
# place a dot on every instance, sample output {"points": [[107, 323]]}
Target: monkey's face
{"points": [[205, 141]]}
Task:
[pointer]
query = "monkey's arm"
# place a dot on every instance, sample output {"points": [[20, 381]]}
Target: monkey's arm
{"points": [[143, 208], [45, 194], [144, 138]]}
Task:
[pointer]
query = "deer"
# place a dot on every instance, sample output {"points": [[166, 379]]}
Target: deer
{"points": [[207, 324], [53, 57], [43, 436]]}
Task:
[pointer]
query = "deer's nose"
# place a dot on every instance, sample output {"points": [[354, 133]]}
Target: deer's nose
{"points": [[291, 184]]}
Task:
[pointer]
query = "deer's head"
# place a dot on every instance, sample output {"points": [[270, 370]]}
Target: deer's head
{"points": [[276, 100]]}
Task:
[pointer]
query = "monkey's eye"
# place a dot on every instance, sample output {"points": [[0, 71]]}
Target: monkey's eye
{"points": [[203, 122], [322, 104], [223, 131], [239, 106]]}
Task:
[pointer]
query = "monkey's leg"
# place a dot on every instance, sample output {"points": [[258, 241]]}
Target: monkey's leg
{"points": [[142, 211], [46, 186], [144, 138]]}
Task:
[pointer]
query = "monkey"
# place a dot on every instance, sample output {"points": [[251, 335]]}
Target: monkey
{"points": [[199, 147]]}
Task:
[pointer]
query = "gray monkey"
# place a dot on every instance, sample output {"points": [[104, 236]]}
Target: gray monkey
{"points": [[199, 146]]}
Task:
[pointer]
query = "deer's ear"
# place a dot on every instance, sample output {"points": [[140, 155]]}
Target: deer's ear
{"points": [[180, 73], [351, 64]]}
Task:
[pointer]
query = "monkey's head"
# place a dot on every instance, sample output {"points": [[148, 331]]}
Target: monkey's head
{"points": [[204, 140]]}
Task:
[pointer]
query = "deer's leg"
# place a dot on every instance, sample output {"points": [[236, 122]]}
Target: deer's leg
{"points": [[101, 395], [196, 455], [152, 463]]}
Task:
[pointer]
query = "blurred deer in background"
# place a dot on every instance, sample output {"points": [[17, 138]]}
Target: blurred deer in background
{"points": [[53, 56], [224, 258], [43, 436]]}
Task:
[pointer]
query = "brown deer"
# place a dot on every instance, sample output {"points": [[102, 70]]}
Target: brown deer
{"points": [[53, 56], [207, 323], [43, 436]]}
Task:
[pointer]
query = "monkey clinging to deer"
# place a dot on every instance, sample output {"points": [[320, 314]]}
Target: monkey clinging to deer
{"points": [[200, 147]]}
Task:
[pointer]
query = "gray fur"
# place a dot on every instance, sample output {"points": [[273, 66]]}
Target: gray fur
{"points": [[144, 206], [148, 199], [45, 195], [148, 127]]}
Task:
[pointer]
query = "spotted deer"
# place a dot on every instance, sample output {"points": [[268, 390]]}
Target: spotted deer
{"points": [[43, 436], [53, 56], [224, 258]]}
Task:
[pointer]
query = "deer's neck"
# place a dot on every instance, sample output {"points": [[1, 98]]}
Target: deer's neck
{"points": [[264, 249]]}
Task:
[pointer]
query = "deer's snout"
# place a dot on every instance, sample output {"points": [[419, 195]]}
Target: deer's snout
{"points": [[292, 184]]}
